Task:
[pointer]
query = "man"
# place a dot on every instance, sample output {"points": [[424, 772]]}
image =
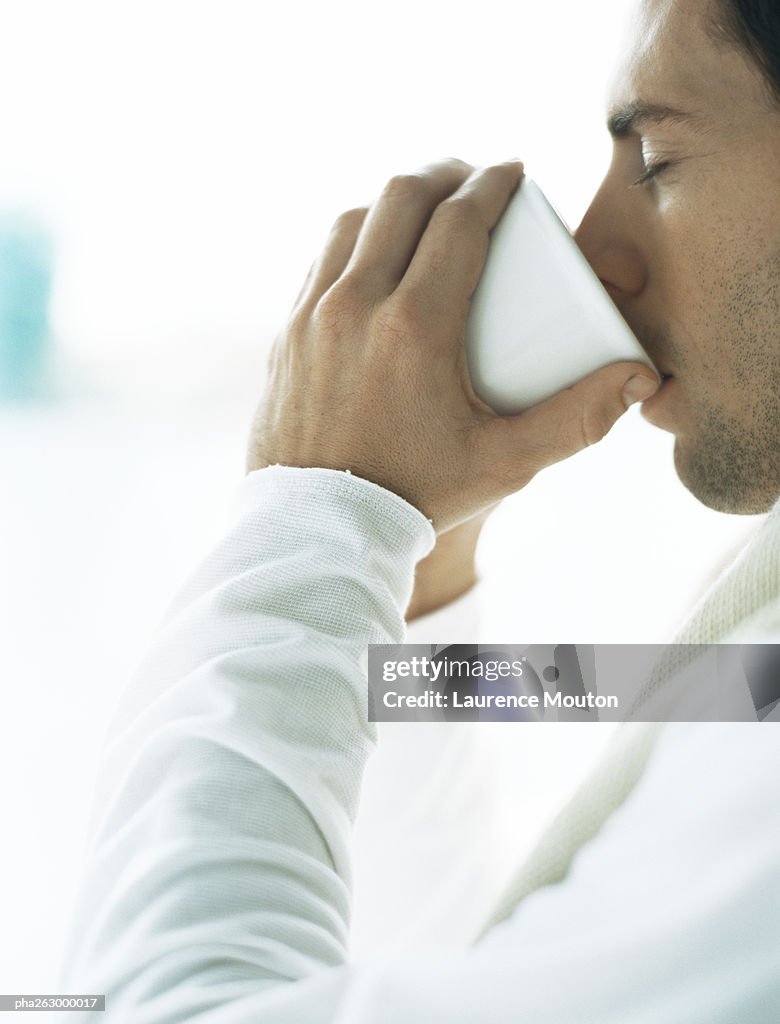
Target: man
{"points": [[219, 886]]}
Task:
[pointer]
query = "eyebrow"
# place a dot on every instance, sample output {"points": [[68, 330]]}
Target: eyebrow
{"points": [[627, 119]]}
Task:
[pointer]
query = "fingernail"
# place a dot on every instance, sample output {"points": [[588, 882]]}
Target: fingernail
{"points": [[638, 388]]}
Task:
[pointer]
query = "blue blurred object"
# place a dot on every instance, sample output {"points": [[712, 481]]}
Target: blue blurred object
{"points": [[25, 291]]}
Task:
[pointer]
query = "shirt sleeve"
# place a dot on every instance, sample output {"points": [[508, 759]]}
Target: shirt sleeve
{"points": [[231, 774], [217, 890]]}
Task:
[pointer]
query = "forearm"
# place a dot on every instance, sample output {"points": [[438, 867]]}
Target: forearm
{"points": [[218, 892], [221, 853]]}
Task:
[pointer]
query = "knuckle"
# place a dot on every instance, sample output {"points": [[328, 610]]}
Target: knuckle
{"points": [[351, 220], [463, 165], [339, 305], [399, 320], [502, 171], [594, 424], [459, 210], [410, 185]]}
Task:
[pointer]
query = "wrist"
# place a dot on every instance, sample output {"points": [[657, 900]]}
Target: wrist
{"points": [[448, 572]]}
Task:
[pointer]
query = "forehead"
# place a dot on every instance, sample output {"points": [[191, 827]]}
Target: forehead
{"points": [[672, 55]]}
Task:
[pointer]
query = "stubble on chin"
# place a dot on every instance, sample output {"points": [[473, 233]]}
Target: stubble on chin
{"points": [[731, 467], [729, 457]]}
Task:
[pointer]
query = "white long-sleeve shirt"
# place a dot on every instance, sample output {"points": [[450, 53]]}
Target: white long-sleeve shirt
{"points": [[218, 888], [484, 789]]}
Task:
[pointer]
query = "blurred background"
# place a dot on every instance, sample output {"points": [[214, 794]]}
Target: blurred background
{"points": [[169, 172]]}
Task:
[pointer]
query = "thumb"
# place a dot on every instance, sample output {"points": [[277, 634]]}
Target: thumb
{"points": [[570, 420]]}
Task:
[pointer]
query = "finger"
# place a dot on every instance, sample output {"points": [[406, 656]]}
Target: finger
{"points": [[329, 266], [566, 423], [397, 220], [449, 260]]}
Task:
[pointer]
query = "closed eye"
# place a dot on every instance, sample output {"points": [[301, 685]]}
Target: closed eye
{"points": [[650, 172]]}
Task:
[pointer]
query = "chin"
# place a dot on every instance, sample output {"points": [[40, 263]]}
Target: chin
{"points": [[722, 482]]}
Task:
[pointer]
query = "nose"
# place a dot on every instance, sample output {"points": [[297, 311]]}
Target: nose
{"points": [[610, 236]]}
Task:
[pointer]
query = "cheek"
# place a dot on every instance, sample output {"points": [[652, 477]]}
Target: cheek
{"points": [[718, 277]]}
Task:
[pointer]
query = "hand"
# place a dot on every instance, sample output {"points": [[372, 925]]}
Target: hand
{"points": [[370, 373]]}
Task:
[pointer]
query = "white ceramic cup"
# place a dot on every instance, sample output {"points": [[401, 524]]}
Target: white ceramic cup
{"points": [[540, 319]]}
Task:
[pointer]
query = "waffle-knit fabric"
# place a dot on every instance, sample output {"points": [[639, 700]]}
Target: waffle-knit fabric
{"points": [[217, 888]]}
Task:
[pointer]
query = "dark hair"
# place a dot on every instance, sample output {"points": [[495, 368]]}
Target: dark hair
{"points": [[754, 25]]}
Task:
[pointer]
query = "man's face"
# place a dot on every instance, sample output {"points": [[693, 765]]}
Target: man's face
{"points": [[685, 234]]}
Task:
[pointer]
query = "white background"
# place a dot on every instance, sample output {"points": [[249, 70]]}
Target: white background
{"points": [[188, 159]]}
